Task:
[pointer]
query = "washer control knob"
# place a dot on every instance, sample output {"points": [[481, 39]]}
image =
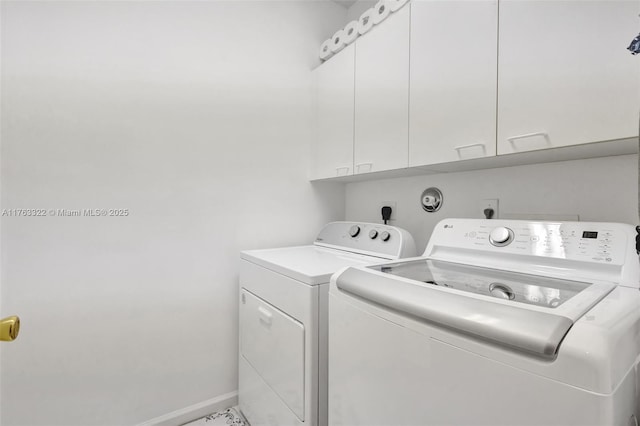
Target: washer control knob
{"points": [[384, 235], [354, 231], [373, 234], [501, 291], [500, 236]]}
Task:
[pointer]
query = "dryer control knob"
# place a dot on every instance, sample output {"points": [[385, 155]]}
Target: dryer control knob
{"points": [[384, 235], [354, 231], [501, 236], [373, 234]]}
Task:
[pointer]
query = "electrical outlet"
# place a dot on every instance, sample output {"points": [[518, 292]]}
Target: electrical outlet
{"points": [[394, 210], [489, 203]]}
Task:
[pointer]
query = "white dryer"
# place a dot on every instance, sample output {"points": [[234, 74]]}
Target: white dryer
{"points": [[499, 323], [283, 319]]}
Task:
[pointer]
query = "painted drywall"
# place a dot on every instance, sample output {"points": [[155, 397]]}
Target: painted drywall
{"points": [[600, 189], [358, 8], [195, 118]]}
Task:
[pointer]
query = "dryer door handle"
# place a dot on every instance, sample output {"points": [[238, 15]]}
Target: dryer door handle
{"points": [[265, 316]]}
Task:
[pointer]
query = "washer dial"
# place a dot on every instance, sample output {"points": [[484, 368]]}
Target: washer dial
{"points": [[501, 236], [502, 291]]}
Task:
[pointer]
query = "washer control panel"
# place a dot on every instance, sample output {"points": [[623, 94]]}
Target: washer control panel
{"points": [[605, 243]]}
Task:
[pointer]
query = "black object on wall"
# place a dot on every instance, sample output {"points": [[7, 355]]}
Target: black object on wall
{"points": [[634, 47]]}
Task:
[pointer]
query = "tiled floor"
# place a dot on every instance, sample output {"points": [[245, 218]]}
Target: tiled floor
{"points": [[230, 416]]}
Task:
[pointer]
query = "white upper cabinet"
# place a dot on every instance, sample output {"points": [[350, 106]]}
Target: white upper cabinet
{"points": [[332, 153], [441, 81], [382, 95], [565, 76], [453, 80]]}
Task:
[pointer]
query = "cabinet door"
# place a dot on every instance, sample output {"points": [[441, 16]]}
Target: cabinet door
{"points": [[382, 95], [332, 154], [565, 76], [453, 80]]}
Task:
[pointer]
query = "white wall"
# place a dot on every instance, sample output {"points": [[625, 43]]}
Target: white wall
{"points": [[601, 189], [358, 8], [195, 116]]}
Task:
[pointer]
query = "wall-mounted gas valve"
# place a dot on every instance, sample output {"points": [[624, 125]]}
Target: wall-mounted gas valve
{"points": [[431, 199]]}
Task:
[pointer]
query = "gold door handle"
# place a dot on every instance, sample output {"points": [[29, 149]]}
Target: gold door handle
{"points": [[9, 328]]}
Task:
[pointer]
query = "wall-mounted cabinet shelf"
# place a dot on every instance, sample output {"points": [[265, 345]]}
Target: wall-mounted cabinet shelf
{"points": [[473, 84], [567, 153]]}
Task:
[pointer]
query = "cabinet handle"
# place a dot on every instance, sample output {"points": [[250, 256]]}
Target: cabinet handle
{"points": [[513, 139], [265, 316], [362, 165], [346, 171], [471, 145]]}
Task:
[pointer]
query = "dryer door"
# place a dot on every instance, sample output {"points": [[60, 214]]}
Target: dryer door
{"points": [[272, 342]]}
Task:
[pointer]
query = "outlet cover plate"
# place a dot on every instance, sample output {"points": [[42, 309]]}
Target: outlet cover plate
{"points": [[489, 203]]}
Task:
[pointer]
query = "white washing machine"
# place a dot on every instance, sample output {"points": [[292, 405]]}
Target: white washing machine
{"points": [[283, 319], [498, 323]]}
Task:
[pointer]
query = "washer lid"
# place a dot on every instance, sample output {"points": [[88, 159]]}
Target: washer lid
{"points": [[311, 265], [524, 312], [532, 290]]}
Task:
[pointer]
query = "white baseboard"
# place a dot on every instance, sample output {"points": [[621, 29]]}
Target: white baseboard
{"points": [[195, 411]]}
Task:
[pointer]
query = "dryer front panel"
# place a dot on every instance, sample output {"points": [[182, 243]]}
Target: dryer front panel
{"points": [[272, 342]]}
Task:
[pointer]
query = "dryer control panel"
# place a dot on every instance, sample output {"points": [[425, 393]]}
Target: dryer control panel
{"points": [[388, 242]]}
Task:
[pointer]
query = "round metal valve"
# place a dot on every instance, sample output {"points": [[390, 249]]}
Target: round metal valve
{"points": [[431, 200]]}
